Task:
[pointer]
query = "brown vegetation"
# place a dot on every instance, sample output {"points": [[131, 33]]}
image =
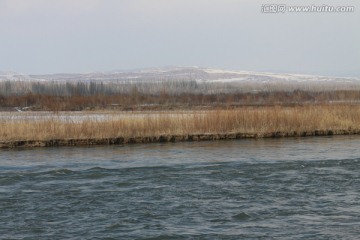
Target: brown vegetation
{"points": [[167, 95], [259, 120], [164, 101]]}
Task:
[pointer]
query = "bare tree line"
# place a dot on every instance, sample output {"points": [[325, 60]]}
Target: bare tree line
{"points": [[171, 87], [142, 95]]}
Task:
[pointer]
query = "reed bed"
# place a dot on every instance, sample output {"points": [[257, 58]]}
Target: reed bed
{"points": [[245, 120]]}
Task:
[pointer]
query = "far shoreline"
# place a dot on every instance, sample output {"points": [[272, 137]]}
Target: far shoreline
{"points": [[16, 144]]}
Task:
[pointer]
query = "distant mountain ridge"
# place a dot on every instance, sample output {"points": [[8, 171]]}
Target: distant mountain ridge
{"points": [[176, 73]]}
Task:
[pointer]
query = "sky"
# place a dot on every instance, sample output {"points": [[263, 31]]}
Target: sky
{"points": [[56, 36]]}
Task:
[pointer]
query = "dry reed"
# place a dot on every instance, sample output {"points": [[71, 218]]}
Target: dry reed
{"points": [[245, 120]]}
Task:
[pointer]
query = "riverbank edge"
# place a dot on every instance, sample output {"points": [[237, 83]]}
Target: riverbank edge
{"points": [[168, 138]]}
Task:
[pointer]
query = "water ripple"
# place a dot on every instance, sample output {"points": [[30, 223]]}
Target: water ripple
{"points": [[190, 196]]}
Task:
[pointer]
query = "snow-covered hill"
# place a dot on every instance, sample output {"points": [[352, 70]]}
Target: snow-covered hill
{"points": [[178, 73], [192, 79]]}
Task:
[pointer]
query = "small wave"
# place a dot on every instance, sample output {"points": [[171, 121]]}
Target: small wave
{"points": [[5, 190], [97, 173], [30, 191], [62, 171], [241, 216], [11, 179], [97, 169]]}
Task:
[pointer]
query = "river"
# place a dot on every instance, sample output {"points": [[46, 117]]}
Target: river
{"points": [[294, 188]]}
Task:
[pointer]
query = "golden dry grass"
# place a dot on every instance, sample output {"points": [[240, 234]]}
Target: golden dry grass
{"points": [[245, 120]]}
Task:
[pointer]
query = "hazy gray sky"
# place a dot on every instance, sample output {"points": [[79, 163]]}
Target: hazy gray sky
{"points": [[49, 36]]}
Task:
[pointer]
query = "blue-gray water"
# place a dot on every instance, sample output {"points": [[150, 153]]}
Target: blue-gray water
{"points": [[307, 188]]}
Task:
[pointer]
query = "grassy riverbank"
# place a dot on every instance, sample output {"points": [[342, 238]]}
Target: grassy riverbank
{"points": [[249, 120]]}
